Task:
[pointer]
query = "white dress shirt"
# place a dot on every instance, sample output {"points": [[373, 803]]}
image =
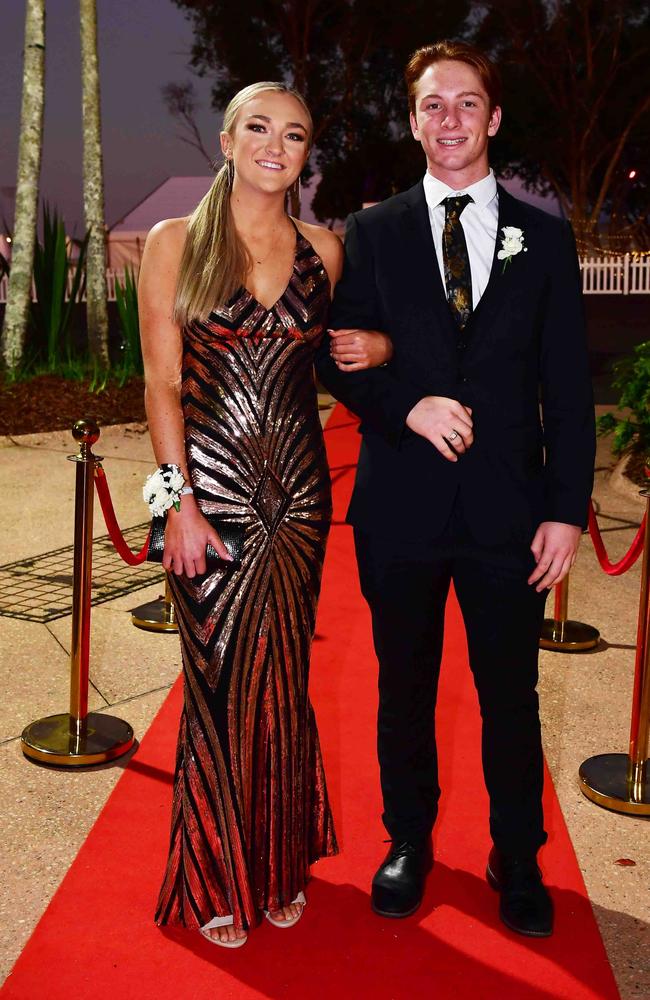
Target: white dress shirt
{"points": [[479, 221]]}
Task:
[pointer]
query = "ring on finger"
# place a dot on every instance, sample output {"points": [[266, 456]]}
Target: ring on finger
{"points": [[453, 435]]}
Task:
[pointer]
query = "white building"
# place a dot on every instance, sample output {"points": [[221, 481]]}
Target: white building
{"points": [[174, 198]]}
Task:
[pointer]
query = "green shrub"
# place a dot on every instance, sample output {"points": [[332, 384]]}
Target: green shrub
{"points": [[50, 346], [126, 296], [633, 379], [53, 310]]}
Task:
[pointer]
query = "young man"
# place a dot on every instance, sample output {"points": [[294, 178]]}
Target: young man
{"points": [[459, 479]]}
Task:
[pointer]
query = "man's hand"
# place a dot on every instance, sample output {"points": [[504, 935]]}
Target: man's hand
{"points": [[446, 423], [355, 350], [555, 547]]}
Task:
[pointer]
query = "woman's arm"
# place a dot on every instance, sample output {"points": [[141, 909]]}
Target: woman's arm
{"points": [[187, 532], [161, 341]]}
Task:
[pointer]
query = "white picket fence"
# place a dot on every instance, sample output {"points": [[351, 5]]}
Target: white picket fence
{"points": [[625, 275]]}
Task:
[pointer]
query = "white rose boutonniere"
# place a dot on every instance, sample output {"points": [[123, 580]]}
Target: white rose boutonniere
{"points": [[512, 243]]}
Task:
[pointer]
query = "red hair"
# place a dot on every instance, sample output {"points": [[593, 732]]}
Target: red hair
{"points": [[460, 52]]}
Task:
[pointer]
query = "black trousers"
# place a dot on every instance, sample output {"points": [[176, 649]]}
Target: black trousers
{"points": [[406, 585]]}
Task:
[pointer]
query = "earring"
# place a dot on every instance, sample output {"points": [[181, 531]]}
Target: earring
{"points": [[296, 190]]}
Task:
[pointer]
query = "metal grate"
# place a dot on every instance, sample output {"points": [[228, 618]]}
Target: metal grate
{"points": [[39, 589]]}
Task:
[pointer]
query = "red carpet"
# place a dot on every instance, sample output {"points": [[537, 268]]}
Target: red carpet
{"points": [[97, 938]]}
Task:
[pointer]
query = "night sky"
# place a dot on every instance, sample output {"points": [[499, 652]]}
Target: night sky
{"points": [[143, 44]]}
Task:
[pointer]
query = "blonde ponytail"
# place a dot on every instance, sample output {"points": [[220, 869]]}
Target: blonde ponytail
{"points": [[215, 260]]}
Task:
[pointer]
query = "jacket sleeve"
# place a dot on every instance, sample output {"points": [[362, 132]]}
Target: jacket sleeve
{"points": [[381, 400], [567, 395]]}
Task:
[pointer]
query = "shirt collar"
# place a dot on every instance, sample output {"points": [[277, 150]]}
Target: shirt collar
{"points": [[482, 192]]}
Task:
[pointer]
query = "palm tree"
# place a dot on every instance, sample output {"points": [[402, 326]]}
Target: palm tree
{"points": [[96, 292], [29, 170]]}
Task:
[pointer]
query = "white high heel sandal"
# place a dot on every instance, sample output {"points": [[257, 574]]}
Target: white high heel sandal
{"points": [[300, 898], [221, 922]]}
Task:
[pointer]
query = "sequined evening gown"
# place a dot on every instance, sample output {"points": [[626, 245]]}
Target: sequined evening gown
{"points": [[250, 809]]}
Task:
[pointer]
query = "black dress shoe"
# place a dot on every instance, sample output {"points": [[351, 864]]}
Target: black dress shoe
{"points": [[398, 886], [525, 906]]}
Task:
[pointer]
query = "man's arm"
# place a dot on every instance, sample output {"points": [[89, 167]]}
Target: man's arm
{"points": [[568, 417], [384, 403], [375, 395], [567, 394]]}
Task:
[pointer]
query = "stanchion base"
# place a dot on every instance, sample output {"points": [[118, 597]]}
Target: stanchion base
{"points": [[604, 780], [568, 636], [155, 616], [53, 741]]}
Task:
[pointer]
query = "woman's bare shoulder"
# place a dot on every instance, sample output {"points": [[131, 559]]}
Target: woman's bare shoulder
{"points": [[320, 237], [167, 237], [327, 245]]}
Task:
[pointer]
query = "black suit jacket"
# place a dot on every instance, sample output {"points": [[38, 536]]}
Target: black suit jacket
{"points": [[525, 343]]}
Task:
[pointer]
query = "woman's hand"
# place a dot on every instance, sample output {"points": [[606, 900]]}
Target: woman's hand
{"points": [[355, 350], [187, 534]]}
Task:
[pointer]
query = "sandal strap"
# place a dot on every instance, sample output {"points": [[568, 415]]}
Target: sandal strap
{"points": [[218, 922]]}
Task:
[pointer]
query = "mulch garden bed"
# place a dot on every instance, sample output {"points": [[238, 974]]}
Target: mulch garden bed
{"points": [[53, 403], [635, 468]]}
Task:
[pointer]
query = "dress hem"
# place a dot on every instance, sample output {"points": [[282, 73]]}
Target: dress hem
{"points": [[332, 853]]}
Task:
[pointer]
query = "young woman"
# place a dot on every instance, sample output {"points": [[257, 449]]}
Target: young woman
{"points": [[233, 303]]}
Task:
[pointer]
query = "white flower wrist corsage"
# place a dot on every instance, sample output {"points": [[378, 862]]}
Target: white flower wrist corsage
{"points": [[164, 488]]}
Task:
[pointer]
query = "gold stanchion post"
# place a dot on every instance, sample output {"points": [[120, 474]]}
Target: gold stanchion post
{"points": [[562, 635], [158, 615], [619, 781], [78, 738]]}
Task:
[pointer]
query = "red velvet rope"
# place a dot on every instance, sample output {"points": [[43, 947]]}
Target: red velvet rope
{"points": [[103, 492], [630, 557], [135, 558]]}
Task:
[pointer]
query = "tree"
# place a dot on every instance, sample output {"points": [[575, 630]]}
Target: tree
{"points": [[29, 169], [376, 170], [576, 107], [96, 290], [182, 103], [345, 56]]}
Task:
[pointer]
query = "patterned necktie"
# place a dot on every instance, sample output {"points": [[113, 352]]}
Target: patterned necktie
{"points": [[458, 277]]}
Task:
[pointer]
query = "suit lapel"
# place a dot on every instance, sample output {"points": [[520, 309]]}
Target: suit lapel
{"points": [[501, 279], [428, 292]]}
